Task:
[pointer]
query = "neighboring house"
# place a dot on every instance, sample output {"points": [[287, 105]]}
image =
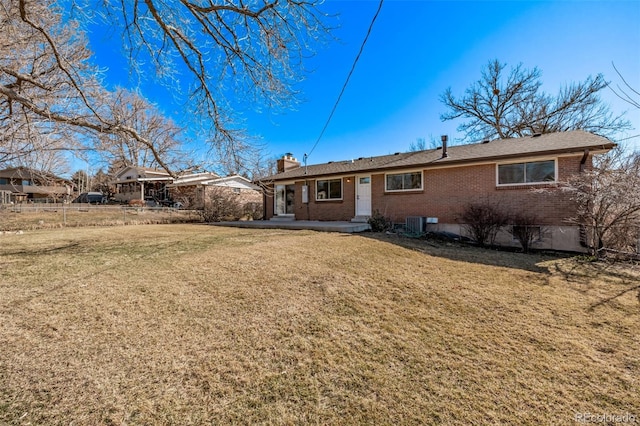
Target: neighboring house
{"points": [[20, 184], [152, 185], [522, 174], [141, 183], [192, 190]]}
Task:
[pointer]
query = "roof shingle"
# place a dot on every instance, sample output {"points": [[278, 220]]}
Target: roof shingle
{"points": [[546, 144]]}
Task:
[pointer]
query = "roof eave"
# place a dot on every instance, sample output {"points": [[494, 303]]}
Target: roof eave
{"points": [[447, 162]]}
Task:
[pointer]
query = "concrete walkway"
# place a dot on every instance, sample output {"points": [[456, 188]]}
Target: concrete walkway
{"points": [[347, 227]]}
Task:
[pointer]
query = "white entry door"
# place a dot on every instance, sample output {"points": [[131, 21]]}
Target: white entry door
{"points": [[363, 195]]}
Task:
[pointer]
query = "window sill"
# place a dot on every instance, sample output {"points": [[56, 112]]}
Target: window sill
{"points": [[412, 191], [527, 186]]}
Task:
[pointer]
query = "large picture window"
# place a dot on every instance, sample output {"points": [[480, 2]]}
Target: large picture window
{"points": [[530, 172], [330, 189], [403, 181]]}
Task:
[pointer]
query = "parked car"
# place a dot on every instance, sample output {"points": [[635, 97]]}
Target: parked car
{"points": [[91, 198], [150, 202]]}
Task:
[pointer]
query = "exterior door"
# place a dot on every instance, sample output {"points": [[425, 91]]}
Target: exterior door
{"points": [[285, 199], [363, 195]]}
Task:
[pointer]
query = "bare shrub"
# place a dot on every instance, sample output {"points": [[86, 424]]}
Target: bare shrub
{"points": [[526, 229], [253, 210], [379, 222], [220, 205], [483, 221]]}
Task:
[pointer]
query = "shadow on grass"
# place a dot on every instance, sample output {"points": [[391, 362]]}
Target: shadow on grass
{"points": [[619, 277], [462, 252], [40, 251]]}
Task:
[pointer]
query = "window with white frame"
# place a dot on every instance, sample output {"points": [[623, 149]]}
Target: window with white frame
{"points": [[527, 172], [411, 181], [329, 189]]}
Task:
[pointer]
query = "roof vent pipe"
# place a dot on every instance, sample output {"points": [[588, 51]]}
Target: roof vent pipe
{"points": [[444, 139]]}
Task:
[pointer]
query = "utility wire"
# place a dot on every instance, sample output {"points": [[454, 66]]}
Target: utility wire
{"points": [[353, 67], [625, 139]]}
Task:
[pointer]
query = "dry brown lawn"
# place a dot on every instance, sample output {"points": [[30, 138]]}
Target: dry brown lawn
{"points": [[48, 216], [195, 324]]}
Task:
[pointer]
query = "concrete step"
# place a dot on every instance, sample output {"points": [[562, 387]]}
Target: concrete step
{"points": [[360, 219], [283, 219]]}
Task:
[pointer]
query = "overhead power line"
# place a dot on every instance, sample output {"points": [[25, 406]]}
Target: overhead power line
{"points": [[344, 86], [626, 139]]}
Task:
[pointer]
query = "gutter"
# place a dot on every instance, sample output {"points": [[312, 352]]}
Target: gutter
{"points": [[583, 160]]}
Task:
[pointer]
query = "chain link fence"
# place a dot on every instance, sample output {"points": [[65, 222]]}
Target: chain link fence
{"points": [[19, 217]]}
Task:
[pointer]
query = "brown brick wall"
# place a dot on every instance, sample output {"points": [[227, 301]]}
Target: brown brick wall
{"points": [[319, 210], [333, 210], [446, 193]]}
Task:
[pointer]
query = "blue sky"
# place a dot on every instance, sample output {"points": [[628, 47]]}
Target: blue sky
{"points": [[419, 48]]}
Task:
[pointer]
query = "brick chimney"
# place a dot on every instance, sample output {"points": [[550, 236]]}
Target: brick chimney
{"points": [[287, 162]]}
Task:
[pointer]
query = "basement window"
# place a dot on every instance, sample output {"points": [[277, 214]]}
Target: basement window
{"points": [[330, 189], [534, 231], [411, 181], [527, 173]]}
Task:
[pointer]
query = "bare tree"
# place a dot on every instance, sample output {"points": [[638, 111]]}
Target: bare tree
{"points": [[419, 145], [47, 84], [608, 199], [102, 182], [81, 180], [625, 91], [422, 144], [34, 81], [45, 154], [137, 113], [216, 52], [506, 105]]}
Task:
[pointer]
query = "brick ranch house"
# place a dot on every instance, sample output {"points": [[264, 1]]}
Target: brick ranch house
{"points": [[197, 189], [440, 183]]}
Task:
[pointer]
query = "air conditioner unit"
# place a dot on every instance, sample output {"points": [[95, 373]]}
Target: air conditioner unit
{"points": [[415, 224]]}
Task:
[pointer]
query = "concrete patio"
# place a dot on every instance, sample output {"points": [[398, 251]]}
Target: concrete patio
{"points": [[324, 226]]}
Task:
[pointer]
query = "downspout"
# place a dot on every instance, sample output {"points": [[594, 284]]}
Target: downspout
{"points": [[583, 231], [306, 183], [583, 161]]}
